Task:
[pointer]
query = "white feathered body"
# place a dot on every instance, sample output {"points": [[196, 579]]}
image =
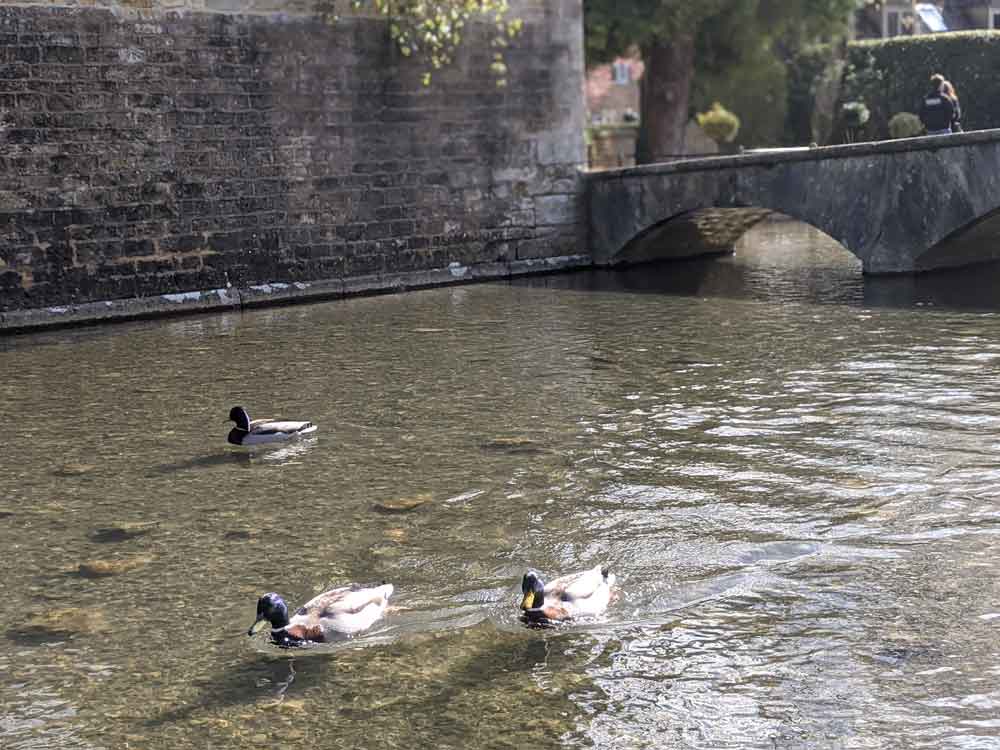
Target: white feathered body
{"points": [[343, 611], [581, 594], [271, 431]]}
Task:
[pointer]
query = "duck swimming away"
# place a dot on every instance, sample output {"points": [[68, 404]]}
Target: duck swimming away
{"points": [[247, 432], [582, 594], [332, 615]]}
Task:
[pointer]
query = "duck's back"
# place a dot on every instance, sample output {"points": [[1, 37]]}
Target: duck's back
{"points": [[344, 611], [586, 592], [270, 431]]}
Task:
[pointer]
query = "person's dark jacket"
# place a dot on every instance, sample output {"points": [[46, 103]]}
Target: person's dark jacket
{"points": [[937, 111]]}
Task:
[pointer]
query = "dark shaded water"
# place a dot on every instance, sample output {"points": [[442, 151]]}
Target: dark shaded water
{"points": [[794, 472]]}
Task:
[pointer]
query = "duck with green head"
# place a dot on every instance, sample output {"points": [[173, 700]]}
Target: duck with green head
{"points": [[257, 431], [568, 597], [338, 613]]}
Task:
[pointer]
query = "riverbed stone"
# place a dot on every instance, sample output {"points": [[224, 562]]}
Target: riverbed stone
{"points": [[516, 445], [403, 504], [123, 531], [74, 469], [65, 621], [112, 566]]}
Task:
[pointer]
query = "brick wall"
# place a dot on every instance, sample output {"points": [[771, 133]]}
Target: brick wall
{"points": [[159, 151]]}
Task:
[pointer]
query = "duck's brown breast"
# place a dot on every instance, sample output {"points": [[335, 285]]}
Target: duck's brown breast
{"points": [[306, 633]]}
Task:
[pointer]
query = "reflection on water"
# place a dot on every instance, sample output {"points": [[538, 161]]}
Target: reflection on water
{"points": [[786, 261], [273, 453], [792, 471]]}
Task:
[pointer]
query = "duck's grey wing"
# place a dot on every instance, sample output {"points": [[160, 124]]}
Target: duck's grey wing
{"points": [[346, 600], [273, 426], [320, 601]]}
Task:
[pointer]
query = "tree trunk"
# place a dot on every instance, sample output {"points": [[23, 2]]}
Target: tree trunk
{"points": [[664, 96]]}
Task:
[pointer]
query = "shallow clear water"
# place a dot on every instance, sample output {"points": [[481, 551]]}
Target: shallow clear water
{"points": [[793, 471]]}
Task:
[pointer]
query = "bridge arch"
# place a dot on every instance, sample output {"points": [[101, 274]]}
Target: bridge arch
{"points": [[975, 243], [707, 231], [899, 206]]}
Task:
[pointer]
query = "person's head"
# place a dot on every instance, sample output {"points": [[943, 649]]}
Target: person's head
{"points": [[948, 90], [937, 81]]}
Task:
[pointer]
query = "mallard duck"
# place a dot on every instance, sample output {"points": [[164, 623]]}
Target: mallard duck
{"points": [[568, 597], [343, 611], [263, 430]]}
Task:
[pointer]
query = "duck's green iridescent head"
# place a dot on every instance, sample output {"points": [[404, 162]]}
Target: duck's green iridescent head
{"points": [[533, 590], [271, 608], [239, 415]]}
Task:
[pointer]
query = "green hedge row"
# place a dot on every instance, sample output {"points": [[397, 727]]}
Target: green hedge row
{"points": [[892, 76]]}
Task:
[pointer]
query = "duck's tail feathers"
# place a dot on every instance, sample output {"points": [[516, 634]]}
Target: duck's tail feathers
{"points": [[384, 587]]}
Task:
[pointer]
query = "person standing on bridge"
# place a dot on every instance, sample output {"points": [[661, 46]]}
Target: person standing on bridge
{"points": [[937, 111], [956, 119]]}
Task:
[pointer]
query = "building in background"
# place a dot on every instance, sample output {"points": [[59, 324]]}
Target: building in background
{"points": [[613, 91], [891, 18]]}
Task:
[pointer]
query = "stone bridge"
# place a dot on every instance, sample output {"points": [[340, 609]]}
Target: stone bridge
{"points": [[900, 206]]}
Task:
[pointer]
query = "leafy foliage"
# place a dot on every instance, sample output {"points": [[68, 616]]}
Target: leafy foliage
{"points": [[905, 125], [756, 90], [806, 70], [855, 114], [724, 28], [730, 37], [432, 30], [719, 124]]}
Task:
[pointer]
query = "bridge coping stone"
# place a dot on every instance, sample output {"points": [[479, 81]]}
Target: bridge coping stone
{"points": [[818, 153]]}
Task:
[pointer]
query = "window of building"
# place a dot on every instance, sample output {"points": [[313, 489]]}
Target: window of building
{"points": [[891, 23], [622, 72], [899, 20], [995, 18]]}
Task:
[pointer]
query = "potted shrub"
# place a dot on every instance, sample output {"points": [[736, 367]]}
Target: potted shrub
{"points": [[719, 124], [855, 116]]}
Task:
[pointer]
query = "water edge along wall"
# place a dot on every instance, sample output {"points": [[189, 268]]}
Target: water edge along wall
{"points": [[162, 154]]}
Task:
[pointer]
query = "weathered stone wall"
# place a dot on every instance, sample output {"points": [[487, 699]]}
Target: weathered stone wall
{"points": [[165, 150]]}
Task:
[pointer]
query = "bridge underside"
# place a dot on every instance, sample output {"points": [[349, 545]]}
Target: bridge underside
{"points": [[715, 231], [978, 243], [709, 231]]}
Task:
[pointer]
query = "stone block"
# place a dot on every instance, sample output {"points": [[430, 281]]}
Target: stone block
{"points": [[557, 209]]}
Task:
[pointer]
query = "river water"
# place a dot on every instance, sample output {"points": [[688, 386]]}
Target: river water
{"points": [[793, 471]]}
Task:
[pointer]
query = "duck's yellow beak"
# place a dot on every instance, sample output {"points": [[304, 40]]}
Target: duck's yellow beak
{"points": [[528, 601], [257, 626]]}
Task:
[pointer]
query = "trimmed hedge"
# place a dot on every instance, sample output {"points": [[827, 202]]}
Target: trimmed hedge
{"points": [[805, 77], [892, 76]]}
